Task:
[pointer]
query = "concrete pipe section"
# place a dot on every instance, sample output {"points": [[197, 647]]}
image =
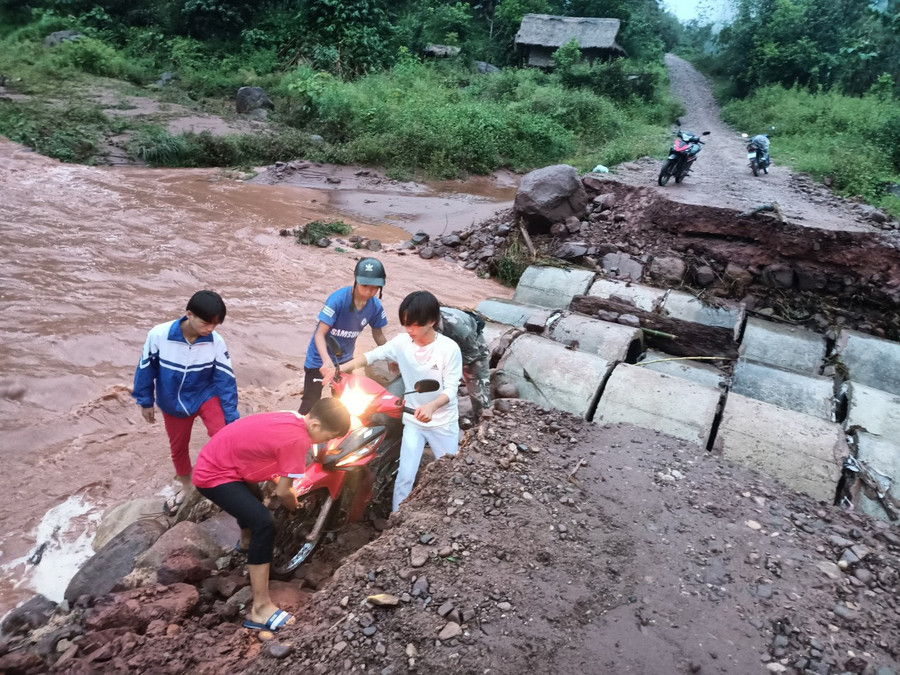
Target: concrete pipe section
{"points": [[651, 400], [809, 394], [513, 313], [784, 346], [696, 371], [551, 375], [881, 456], [801, 451], [609, 341], [686, 307], [552, 287], [870, 361], [873, 410], [646, 298]]}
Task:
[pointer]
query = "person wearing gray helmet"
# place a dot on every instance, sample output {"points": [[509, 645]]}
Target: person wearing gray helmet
{"points": [[344, 316]]}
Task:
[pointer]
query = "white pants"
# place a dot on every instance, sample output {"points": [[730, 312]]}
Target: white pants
{"points": [[443, 440]]}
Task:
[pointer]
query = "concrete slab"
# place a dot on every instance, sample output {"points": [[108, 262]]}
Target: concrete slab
{"points": [[782, 345], [801, 451], [509, 312], [882, 455], [684, 306], [809, 394], [609, 341], [652, 400], [695, 371], [873, 410], [871, 361], [552, 376], [642, 297], [552, 287]]}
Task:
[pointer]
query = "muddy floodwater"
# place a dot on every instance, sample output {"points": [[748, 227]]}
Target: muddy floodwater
{"points": [[91, 258]]}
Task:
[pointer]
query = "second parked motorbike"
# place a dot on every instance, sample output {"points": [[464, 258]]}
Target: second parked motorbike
{"points": [[758, 153], [682, 156]]}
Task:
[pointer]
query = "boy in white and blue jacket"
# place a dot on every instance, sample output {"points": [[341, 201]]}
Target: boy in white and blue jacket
{"points": [[186, 371]]}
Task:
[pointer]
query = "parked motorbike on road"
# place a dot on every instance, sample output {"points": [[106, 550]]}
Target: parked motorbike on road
{"points": [[347, 474], [682, 156], [758, 153]]}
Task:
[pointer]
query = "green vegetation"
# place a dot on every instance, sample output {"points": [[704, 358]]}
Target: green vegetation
{"points": [[853, 142], [826, 74], [346, 80], [315, 230]]}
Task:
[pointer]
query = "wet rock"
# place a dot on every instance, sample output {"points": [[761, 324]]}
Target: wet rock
{"points": [[778, 276], [570, 251], [426, 253], [134, 610], [34, 613], [384, 599], [185, 537], [418, 556], [323, 242], [184, 567], [450, 631], [106, 568], [668, 269], [549, 195], [56, 38], [451, 240], [420, 587], [622, 266], [249, 99], [373, 245], [278, 650], [507, 390], [120, 516], [705, 276]]}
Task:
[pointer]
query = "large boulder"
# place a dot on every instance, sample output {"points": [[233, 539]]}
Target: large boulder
{"points": [[185, 537], [105, 569], [120, 516], [252, 98], [548, 196], [34, 613]]}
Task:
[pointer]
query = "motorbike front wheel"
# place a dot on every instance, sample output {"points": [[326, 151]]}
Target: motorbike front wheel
{"points": [[666, 172], [754, 166], [292, 548]]}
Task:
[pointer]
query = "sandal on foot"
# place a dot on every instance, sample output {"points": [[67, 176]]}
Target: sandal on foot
{"points": [[279, 619], [173, 503]]}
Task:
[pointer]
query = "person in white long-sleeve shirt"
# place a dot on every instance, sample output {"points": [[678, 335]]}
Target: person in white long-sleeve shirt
{"points": [[421, 353]]}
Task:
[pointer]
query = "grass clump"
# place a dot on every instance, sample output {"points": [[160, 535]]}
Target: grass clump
{"points": [[849, 141], [317, 229], [513, 263]]}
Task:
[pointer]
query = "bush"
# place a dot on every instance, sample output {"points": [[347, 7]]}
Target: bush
{"points": [[315, 230], [90, 56]]}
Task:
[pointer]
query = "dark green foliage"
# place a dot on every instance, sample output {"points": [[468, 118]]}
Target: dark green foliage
{"points": [[315, 230], [69, 134]]}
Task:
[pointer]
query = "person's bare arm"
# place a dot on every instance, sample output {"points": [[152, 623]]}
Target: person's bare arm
{"points": [[358, 361], [327, 367], [378, 335], [284, 490], [425, 412]]}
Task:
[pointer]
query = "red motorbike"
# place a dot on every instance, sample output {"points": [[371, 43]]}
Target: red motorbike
{"points": [[682, 156], [345, 475]]}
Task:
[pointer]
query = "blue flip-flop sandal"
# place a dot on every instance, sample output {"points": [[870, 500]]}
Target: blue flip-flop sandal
{"points": [[279, 619]]}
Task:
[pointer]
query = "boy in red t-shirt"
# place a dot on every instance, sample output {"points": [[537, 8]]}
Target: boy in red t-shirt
{"points": [[261, 447]]}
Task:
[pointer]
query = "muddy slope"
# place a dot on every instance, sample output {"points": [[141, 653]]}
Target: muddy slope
{"points": [[556, 545]]}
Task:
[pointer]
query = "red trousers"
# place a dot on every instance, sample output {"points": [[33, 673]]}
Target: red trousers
{"points": [[179, 431]]}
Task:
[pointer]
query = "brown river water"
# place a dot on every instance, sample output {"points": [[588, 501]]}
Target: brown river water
{"points": [[91, 258]]}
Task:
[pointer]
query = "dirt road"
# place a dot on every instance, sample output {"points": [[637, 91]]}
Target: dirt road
{"points": [[722, 178]]}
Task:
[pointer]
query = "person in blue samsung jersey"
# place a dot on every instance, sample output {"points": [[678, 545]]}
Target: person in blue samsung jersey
{"points": [[345, 315]]}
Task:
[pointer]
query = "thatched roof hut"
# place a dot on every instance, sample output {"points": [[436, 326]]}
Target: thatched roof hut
{"points": [[542, 34]]}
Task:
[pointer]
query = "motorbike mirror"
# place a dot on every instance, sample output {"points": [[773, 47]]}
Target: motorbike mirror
{"points": [[334, 347], [425, 386], [705, 133]]}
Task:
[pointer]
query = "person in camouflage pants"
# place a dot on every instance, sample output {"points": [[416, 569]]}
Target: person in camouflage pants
{"points": [[465, 329]]}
